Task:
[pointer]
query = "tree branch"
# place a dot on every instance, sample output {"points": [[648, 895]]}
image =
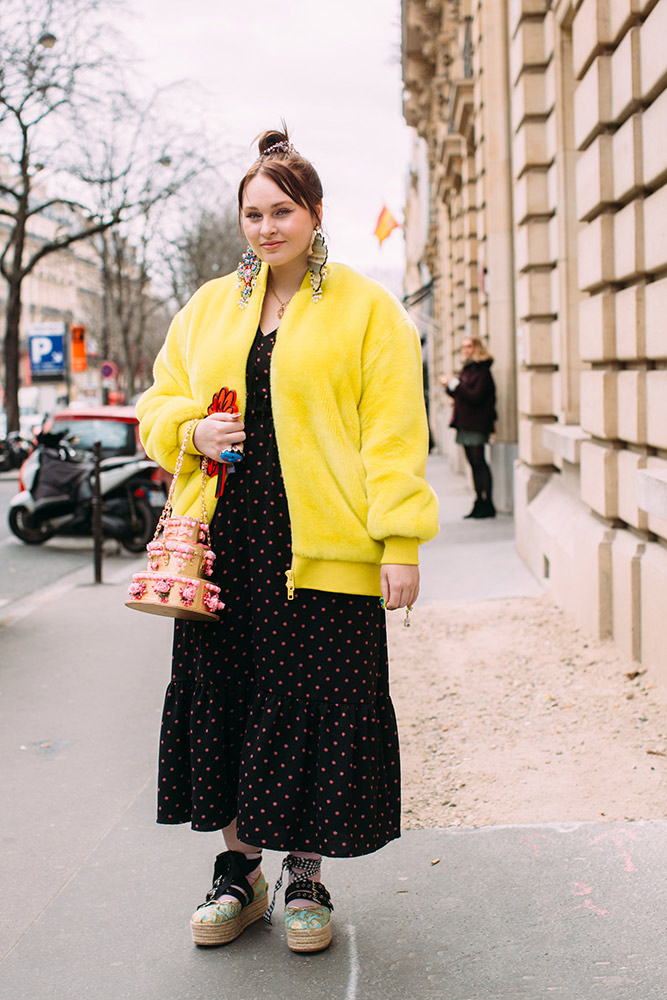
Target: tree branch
{"points": [[62, 244], [5, 189], [38, 209]]}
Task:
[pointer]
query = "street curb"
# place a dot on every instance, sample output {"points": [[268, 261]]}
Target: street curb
{"points": [[14, 612]]}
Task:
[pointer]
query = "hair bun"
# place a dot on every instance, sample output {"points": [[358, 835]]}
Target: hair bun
{"points": [[287, 168], [271, 138]]}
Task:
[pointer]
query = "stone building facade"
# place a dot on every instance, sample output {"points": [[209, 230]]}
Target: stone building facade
{"points": [[70, 286], [66, 287], [541, 126]]}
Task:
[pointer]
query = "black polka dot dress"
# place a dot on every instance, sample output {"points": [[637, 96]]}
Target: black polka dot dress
{"points": [[279, 714]]}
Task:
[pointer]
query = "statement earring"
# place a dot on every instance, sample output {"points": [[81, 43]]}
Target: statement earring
{"points": [[247, 272], [317, 260]]}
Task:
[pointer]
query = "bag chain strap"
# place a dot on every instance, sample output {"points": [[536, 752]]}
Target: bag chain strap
{"points": [[168, 511]]}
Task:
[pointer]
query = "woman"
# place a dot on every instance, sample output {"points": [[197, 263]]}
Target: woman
{"points": [[278, 727], [474, 415]]}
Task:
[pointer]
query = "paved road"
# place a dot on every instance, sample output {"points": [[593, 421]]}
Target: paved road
{"points": [[27, 568], [96, 897]]}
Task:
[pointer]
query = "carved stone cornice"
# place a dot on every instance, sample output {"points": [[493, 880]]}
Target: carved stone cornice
{"points": [[419, 27], [462, 109], [432, 251], [450, 154]]}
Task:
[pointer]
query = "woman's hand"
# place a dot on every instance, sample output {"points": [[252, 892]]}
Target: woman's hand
{"points": [[217, 433], [450, 383], [399, 585]]}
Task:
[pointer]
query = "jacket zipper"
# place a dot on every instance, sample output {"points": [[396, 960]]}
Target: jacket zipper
{"points": [[289, 582]]}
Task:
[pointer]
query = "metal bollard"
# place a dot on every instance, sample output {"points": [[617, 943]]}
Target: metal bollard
{"points": [[98, 537]]}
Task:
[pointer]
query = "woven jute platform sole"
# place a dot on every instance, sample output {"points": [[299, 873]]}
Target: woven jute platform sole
{"points": [[228, 930], [312, 939]]}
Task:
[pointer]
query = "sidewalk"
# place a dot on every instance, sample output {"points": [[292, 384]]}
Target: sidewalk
{"points": [[96, 897]]}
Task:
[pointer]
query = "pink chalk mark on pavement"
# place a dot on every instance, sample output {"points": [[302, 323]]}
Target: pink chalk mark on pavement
{"points": [[617, 837], [585, 890], [530, 840]]}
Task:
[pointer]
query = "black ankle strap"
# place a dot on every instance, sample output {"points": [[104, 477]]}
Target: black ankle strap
{"points": [[305, 888], [229, 877], [305, 867]]}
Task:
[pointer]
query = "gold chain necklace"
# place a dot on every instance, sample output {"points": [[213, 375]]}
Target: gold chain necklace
{"points": [[283, 305]]}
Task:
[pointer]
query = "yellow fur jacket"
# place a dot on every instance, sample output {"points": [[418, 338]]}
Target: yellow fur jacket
{"points": [[348, 409]]}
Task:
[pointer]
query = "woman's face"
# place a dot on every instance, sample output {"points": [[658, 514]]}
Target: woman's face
{"points": [[278, 229], [467, 350]]}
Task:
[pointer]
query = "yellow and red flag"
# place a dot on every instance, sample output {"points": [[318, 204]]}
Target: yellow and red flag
{"points": [[385, 225]]}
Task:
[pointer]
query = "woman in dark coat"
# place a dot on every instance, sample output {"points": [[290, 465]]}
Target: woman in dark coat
{"points": [[474, 415]]}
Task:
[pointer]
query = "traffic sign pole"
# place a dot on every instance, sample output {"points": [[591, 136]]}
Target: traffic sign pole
{"points": [[108, 371], [98, 537]]}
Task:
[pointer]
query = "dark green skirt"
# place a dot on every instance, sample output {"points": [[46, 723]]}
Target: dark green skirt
{"points": [[470, 437]]}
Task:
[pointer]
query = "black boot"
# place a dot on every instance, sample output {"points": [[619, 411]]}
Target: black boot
{"points": [[475, 509], [485, 509]]}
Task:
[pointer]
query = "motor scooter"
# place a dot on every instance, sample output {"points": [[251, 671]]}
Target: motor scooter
{"points": [[14, 450], [57, 495]]}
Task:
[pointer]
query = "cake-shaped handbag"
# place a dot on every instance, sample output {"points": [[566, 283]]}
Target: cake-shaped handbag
{"points": [[180, 561]]}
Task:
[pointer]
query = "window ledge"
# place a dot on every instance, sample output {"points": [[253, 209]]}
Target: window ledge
{"points": [[564, 440], [652, 492]]}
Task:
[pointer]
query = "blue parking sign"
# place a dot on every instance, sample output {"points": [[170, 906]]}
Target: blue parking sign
{"points": [[47, 350]]}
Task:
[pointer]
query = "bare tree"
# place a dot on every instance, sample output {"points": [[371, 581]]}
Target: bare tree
{"points": [[126, 302], [42, 79], [109, 165], [145, 165], [209, 245]]}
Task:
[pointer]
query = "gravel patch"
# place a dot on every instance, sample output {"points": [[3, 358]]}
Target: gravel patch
{"points": [[509, 713]]}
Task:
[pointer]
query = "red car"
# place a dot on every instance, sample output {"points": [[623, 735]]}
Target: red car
{"points": [[56, 480], [115, 427]]}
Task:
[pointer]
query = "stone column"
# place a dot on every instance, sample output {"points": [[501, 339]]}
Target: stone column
{"points": [[497, 299]]}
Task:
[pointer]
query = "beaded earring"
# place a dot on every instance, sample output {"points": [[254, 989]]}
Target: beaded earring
{"points": [[317, 259], [247, 272]]}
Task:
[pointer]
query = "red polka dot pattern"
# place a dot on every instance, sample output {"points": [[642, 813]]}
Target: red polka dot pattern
{"points": [[280, 712]]}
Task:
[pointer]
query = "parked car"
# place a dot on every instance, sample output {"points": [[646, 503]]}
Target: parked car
{"points": [[117, 430], [115, 427]]}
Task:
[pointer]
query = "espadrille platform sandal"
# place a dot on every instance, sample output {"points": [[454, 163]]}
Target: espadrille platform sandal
{"points": [[216, 922], [308, 928]]}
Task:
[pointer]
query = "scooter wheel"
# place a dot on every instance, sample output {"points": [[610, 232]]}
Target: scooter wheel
{"points": [[142, 530], [23, 526]]}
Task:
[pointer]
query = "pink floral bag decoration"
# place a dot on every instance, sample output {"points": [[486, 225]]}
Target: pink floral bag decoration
{"points": [[180, 560]]}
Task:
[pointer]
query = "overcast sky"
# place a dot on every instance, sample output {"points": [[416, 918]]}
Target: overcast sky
{"points": [[331, 69]]}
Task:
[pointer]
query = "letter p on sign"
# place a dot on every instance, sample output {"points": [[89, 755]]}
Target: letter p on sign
{"points": [[40, 347]]}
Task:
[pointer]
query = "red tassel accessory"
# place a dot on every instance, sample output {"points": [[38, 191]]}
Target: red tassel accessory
{"points": [[224, 401]]}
